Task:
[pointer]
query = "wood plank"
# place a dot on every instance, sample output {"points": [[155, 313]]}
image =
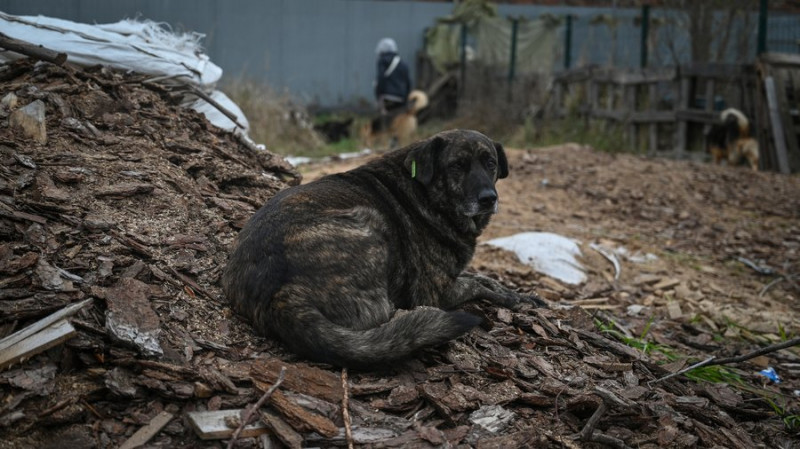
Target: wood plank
{"points": [[298, 417], [787, 90], [630, 93], [681, 134], [593, 95], [143, 435], [608, 115], [213, 425], [780, 58], [714, 70], [697, 116], [558, 95], [300, 378], [43, 323], [43, 340], [777, 126], [646, 76], [282, 430], [654, 117], [653, 128], [709, 106]]}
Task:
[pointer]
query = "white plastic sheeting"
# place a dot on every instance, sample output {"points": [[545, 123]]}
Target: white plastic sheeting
{"points": [[548, 253], [131, 45]]}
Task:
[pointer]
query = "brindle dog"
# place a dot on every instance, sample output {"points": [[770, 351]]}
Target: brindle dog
{"points": [[326, 267]]}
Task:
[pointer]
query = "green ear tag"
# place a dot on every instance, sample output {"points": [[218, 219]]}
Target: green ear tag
{"points": [[413, 169]]}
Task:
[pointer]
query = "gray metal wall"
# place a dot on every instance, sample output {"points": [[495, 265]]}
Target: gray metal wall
{"points": [[322, 51]]}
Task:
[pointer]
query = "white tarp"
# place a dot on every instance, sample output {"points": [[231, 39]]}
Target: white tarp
{"points": [[132, 45], [548, 253]]}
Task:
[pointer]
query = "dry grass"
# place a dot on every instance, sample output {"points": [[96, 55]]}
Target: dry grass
{"points": [[276, 119], [283, 124]]}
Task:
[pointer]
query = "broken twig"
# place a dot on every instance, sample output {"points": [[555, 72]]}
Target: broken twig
{"points": [[348, 431], [711, 361], [251, 412], [588, 433], [766, 288]]}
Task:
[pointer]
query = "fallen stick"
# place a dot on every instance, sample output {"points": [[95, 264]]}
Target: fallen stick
{"points": [[711, 361], [207, 98], [251, 412], [143, 435], [32, 50], [348, 430], [766, 288], [588, 433], [588, 429]]}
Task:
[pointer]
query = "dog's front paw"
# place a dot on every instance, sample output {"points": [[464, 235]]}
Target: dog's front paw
{"points": [[535, 300], [505, 297]]}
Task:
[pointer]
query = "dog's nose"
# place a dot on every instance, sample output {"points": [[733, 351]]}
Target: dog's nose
{"points": [[487, 198]]}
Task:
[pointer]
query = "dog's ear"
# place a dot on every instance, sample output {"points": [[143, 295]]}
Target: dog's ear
{"points": [[421, 160], [502, 162]]}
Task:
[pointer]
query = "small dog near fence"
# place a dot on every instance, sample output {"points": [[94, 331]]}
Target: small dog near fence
{"points": [[397, 128], [731, 140]]}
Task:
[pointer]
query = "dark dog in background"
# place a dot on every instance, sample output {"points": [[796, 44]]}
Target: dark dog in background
{"points": [[364, 267], [335, 130], [731, 140]]}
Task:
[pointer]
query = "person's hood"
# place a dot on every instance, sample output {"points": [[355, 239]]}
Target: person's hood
{"points": [[386, 45]]}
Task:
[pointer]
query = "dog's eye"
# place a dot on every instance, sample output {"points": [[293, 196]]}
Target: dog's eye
{"points": [[491, 164]]}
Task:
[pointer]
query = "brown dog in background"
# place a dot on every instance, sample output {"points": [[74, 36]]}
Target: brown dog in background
{"points": [[731, 140], [395, 129]]}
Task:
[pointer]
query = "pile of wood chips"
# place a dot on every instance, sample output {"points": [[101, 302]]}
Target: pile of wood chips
{"points": [[117, 211]]}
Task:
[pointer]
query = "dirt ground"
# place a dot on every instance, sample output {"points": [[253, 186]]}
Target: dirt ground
{"points": [[133, 203], [683, 233], [698, 219]]}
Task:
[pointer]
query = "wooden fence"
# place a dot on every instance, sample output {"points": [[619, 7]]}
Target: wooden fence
{"points": [[665, 110], [778, 111]]}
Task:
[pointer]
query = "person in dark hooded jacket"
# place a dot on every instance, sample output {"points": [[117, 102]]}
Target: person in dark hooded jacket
{"points": [[392, 83]]}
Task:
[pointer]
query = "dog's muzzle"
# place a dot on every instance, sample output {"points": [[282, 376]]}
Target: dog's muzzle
{"points": [[487, 200], [485, 203]]}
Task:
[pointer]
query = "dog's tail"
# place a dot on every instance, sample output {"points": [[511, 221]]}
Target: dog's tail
{"points": [[417, 100], [741, 120], [314, 336]]}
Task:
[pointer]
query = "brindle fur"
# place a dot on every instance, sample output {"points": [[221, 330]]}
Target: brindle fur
{"points": [[325, 267]]}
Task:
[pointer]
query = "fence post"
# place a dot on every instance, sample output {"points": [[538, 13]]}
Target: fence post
{"points": [[512, 65], [463, 56], [645, 31], [568, 43], [762, 28]]}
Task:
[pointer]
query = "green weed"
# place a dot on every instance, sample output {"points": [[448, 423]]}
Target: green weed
{"points": [[715, 374], [790, 420]]}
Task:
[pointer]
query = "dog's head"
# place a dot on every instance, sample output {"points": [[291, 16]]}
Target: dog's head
{"points": [[458, 170]]}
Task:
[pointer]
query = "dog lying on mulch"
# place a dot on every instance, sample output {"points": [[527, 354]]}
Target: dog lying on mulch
{"points": [[365, 267]]}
